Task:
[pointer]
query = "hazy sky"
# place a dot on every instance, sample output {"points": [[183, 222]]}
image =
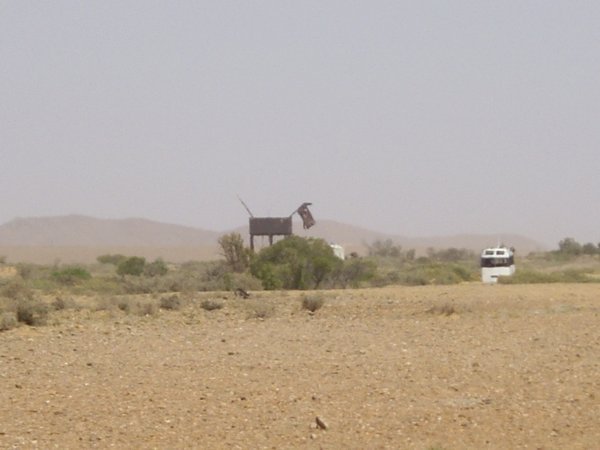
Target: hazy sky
{"points": [[415, 118]]}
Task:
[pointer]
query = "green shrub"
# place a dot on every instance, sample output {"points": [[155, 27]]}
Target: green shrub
{"points": [[99, 285], [570, 246], [157, 268], [463, 273], [434, 273], [131, 266], [111, 259], [188, 277], [385, 249], [295, 263], [245, 281], [71, 275], [352, 272], [236, 255], [415, 278], [270, 276], [451, 254]]}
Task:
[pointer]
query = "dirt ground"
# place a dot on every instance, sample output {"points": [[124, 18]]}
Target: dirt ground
{"points": [[460, 367]]}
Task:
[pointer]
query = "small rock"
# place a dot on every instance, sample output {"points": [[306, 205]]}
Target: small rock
{"points": [[321, 423]]}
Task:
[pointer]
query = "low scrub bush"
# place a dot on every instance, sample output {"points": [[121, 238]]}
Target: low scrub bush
{"points": [[8, 320], [136, 306], [98, 285], [189, 277], [295, 263], [61, 303], [71, 275], [104, 303], [211, 305], [354, 272], [445, 309], [32, 312], [157, 268], [312, 303], [245, 281], [260, 311], [171, 302], [435, 273], [18, 300], [124, 304], [141, 285], [133, 266], [115, 259], [16, 290], [147, 308]]}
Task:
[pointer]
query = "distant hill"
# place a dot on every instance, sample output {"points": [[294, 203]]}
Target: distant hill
{"points": [[77, 238], [88, 231]]}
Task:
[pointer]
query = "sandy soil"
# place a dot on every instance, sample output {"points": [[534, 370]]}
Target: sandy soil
{"points": [[88, 255], [458, 367]]}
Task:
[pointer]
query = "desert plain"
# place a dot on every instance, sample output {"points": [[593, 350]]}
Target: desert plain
{"points": [[434, 367]]}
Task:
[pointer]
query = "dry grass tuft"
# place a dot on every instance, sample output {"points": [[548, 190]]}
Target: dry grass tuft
{"points": [[104, 303], [32, 312], [312, 302], [129, 305], [171, 303], [16, 290], [138, 307], [61, 303], [443, 310], [211, 305], [147, 308], [8, 321], [259, 310]]}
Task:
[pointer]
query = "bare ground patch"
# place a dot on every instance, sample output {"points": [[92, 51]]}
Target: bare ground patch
{"points": [[508, 367]]}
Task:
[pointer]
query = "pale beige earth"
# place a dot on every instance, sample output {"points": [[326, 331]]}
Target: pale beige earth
{"points": [[511, 367]]}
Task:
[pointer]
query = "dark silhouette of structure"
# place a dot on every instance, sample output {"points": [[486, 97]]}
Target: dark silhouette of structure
{"points": [[277, 226]]}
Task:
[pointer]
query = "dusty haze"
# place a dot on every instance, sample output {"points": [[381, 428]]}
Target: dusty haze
{"points": [[410, 118], [81, 239]]}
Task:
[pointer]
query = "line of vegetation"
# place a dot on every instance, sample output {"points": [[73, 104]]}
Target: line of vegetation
{"points": [[291, 263], [305, 264]]}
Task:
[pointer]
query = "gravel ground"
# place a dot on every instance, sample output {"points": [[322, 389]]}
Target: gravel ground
{"points": [[453, 367]]}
